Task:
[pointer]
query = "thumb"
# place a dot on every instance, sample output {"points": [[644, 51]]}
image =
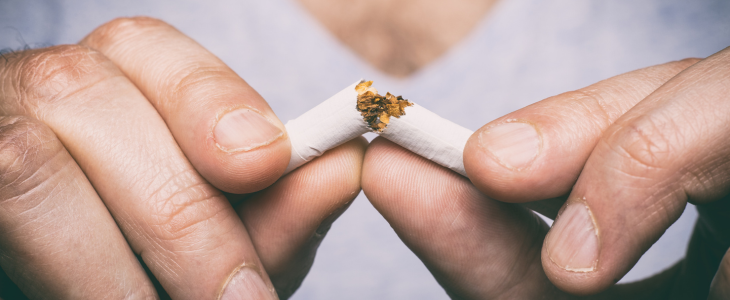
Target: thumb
{"points": [[538, 152]]}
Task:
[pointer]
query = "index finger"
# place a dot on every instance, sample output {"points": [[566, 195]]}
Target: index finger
{"points": [[224, 127]]}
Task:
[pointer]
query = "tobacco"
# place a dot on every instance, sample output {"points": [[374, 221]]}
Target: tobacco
{"points": [[376, 109]]}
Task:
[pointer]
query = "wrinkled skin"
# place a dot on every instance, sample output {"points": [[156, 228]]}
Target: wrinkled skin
{"points": [[114, 166], [615, 163], [121, 132]]}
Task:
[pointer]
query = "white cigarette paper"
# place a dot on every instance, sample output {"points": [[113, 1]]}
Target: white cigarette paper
{"points": [[327, 125], [431, 136], [337, 120]]}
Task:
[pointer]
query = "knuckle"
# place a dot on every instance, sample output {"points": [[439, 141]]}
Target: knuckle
{"points": [[197, 81], [45, 76], [688, 62], [184, 205], [648, 142], [121, 29], [589, 102], [24, 142], [672, 68], [29, 156]]}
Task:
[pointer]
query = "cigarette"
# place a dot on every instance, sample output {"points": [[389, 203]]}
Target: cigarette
{"points": [[326, 126], [430, 136], [359, 109]]}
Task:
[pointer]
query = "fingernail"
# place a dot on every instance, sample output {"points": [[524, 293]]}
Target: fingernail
{"points": [[573, 240], [246, 284], [514, 144], [243, 130]]}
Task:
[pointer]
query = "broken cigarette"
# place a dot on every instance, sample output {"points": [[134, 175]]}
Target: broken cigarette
{"points": [[359, 109]]}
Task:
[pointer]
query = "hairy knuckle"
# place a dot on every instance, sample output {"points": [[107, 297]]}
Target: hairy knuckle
{"points": [[40, 77], [24, 143], [29, 158], [182, 205]]}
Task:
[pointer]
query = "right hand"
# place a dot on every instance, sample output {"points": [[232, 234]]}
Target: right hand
{"points": [[626, 153], [118, 149]]}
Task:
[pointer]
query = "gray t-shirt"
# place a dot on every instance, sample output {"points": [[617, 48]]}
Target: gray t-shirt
{"points": [[522, 52]]}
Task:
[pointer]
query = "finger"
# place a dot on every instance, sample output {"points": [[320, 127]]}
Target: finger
{"points": [[476, 247], [179, 224], [46, 206], [537, 152], [670, 148], [288, 220], [227, 131]]}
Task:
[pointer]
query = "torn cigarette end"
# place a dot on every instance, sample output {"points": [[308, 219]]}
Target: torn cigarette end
{"points": [[336, 121], [327, 125], [421, 131], [376, 109]]}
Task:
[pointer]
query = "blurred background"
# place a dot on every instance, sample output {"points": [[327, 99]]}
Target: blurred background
{"points": [[502, 56]]}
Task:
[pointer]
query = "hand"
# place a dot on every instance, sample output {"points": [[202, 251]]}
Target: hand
{"points": [[627, 153], [142, 117]]}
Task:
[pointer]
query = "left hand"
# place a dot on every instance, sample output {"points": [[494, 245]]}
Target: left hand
{"points": [[627, 153], [114, 155]]}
